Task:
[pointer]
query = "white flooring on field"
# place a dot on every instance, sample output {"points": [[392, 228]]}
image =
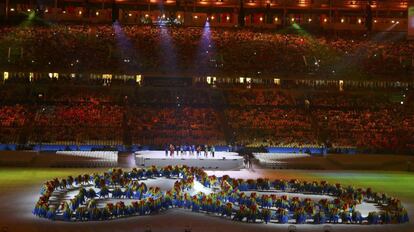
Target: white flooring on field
{"points": [[220, 161]]}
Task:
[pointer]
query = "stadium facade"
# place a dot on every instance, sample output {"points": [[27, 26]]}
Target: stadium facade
{"points": [[387, 15]]}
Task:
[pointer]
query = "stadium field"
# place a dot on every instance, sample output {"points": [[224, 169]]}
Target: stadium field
{"points": [[399, 184]]}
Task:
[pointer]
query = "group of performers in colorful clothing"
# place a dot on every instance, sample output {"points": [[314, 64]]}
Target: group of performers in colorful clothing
{"points": [[189, 150], [237, 199]]}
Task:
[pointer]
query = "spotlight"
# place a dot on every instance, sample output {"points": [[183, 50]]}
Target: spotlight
{"points": [[359, 21], [228, 18], [276, 19], [146, 15], [325, 20], [97, 13], [375, 21], [392, 21], [293, 19], [80, 12], [179, 16], [342, 20], [28, 10], [129, 14], [64, 12], [261, 18], [398, 22], [212, 17], [195, 17], [11, 9], [309, 20]]}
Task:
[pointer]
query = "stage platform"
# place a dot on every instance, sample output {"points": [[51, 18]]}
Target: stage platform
{"points": [[220, 161]]}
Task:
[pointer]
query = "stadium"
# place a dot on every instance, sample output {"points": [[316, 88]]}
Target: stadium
{"points": [[206, 115]]}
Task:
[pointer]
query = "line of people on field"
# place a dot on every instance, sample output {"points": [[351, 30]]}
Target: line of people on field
{"points": [[172, 150]]}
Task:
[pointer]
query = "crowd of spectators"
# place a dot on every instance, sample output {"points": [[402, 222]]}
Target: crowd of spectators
{"points": [[271, 127], [105, 48], [360, 128], [258, 97], [254, 117], [349, 100], [80, 122], [12, 119], [177, 125], [270, 117]]}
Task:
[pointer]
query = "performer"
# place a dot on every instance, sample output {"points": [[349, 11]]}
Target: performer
{"points": [[213, 149], [171, 150], [206, 150], [166, 150], [181, 150], [192, 149], [187, 150], [198, 150], [177, 149]]}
